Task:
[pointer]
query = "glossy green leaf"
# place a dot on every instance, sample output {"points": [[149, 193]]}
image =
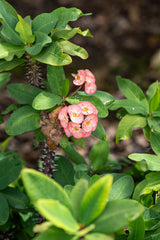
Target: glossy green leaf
{"points": [[6, 66], [100, 132], [44, 23], [65, 34], [73, 49], [117, 214], [151, 90], [23, 92], [4, 210], [131, 90], [15, 198], [65, 15], [154, 123], [95, 199], [25, 31], [82, 96], [56, 77], [77, 195], [155, 142], [8, 50], [24, 119], [64, 173], [136, 229], [9, 19], [122, 187], [41, 39], [127, 124], [131, 106], [4, 78], [98, 155], [58, 214], [71, 152], [51, 234], [78, 141], [155, 99], [106, 98], [97, 236], [152, 235], [152, 161], [46, 100], [10, 167], [151, 219], [156, 113], [39, 186], [148, 185], [53, 55]]}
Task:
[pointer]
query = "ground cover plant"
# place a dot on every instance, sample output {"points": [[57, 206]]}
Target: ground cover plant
{"points": [[69, 197]]}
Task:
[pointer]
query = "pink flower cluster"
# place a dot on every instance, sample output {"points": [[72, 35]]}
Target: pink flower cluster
{"points": [[87, 78], [79, 120]]}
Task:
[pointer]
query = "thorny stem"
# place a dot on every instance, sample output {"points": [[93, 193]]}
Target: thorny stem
{"points": [[76, 90]]}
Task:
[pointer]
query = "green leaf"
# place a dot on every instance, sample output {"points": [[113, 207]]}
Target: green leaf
{"points": [[151, 219], [77, 194], [41, 39], [53, 55], [15, 198], [10, 167], [46, 100], [9, 19], [56, 77], [4, 78], [127, 124], [97, 236], [65, 15], [155, 99], [65, 87], [117, 214], [24, 119], [136, 229], [65, 34], [71, 152], [73, 49], [58, 214], [23, 92], [154, 123], [98, 155], [155, 142], [52, 233], [100, 132], [151, 90], [25, 31], [148, 185], [131, 90], [64, 173], [131, 106], [82, 96], [152, 161], [8, 50], [4, 210], [39, 186], [95, 199], [106, 98], [6, 66], [122, 187], [12, 107], [44, 23]]}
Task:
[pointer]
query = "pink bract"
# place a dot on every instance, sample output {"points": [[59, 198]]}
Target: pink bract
{"points": [[90, 78], [87, 108], [90, 123], [67, 132], [80, 78], [63, 116], [86, 134], [90, 88], [75, 113], [76, 130]]}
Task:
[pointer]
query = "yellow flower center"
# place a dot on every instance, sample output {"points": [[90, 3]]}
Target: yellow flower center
{"points": [[85, 109], [74, 114]]}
